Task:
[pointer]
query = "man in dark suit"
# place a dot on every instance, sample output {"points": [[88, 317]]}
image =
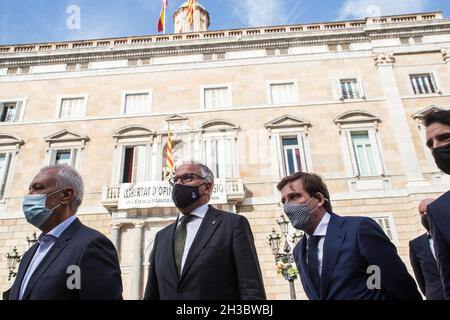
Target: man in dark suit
{"points": [[347, 258], [423, 260], [207, 253], [438, 140], [70, 261], [5, 294]]}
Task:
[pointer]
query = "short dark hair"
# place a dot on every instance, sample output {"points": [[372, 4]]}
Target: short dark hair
{"points": [[442, 116], [312, 183]]}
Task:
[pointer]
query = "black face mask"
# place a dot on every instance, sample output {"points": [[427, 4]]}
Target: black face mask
{"points": [[183, 196], [442, 158], [425, 222]]}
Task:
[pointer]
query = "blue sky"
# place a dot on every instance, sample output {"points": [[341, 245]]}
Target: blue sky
{"points": [[29, 21]]}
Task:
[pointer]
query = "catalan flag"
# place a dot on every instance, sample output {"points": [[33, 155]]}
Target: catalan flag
{"points": [[191, 9], [169, 157], [162, 17]]}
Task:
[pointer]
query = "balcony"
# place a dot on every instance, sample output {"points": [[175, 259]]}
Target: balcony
{"points": [[234, 193]]}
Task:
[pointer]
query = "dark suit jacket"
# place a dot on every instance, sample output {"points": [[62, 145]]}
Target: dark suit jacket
{"points": [[80, 246], [351, 245], [425, 268], [221, 264], [439, 213], [5, 294]]}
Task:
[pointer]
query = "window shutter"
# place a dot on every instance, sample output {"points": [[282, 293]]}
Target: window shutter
{"points": [[18, 111], [385, 224], [352, 153], [376, 151], [118, 164], [4, 173], [52, 157], [362, 91], [141, 164]]}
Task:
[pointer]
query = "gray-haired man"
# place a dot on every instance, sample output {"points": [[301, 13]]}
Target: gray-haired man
{"points": [[70, 261]]}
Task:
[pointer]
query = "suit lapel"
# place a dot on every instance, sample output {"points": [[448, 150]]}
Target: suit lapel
{"points": [[304, 270], [170, 244], [429, 258], [208, 226], [331, 250], [58, 246], [425, 244], [23, 267]]}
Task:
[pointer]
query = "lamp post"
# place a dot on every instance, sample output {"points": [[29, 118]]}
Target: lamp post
{"points": [[13, 258], [285, 260], [31, 241]]}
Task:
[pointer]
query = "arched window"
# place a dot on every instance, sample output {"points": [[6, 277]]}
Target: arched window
{"points": [[360, 146], [9, 148], [290, 147], [219, 148], [132, 154]]}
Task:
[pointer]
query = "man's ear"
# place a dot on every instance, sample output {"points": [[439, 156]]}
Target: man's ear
{"points": [[319, 196], [208, 187], [68, 195]]}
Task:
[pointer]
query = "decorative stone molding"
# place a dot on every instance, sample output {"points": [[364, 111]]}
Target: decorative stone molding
{"points": [[176, 122], [420, 115], [66, 136], [133, 132], [10, 141], [356, 116], [384, 59], [286, 121], [218, 125], [446, 55], [222, 41]]}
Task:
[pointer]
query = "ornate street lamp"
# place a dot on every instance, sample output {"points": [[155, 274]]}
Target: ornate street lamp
{"points": [[285, 260], [31, 241], [13, 259]]}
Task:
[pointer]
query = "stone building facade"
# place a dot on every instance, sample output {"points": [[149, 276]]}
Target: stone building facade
{"points": [[341, 99]]}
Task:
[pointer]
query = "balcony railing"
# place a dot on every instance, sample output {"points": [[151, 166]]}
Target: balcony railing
{"points": [[219, 34], [235, 192]]}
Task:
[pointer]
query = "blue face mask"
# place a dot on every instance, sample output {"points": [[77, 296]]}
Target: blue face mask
{"points": [[35, 210]]}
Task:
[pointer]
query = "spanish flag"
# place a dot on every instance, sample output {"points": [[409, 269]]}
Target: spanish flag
{"points": [[162, 17], [169, 157], [191, 8]]}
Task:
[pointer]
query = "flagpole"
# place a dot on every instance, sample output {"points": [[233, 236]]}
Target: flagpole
{"points": [[193, 15], [164, 26]]}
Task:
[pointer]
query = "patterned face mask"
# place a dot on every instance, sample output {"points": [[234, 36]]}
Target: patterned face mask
{"points": [[299, 214]]}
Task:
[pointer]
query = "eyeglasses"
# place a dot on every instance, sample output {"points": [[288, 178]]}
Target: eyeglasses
{"points": [[188, 177]]}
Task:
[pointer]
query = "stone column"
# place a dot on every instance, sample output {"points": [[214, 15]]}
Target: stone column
{"points": [[115, 235], [136, 268], [402, 134]]}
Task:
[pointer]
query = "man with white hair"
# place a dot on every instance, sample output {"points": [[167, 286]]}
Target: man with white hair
{"points": [[207, 254], [70, 261]]}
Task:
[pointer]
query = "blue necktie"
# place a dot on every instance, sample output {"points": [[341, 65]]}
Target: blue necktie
{"points": [[313, 261]]}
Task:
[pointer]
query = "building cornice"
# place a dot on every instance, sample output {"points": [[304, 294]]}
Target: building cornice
{"points": [[223, 41]]}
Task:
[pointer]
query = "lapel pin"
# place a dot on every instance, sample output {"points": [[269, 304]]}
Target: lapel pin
{"points": [[214, 222]]}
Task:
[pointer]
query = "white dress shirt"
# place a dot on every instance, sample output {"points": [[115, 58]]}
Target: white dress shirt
{"points": [[430, 240], [192, 227], [321, 230], [45, 243]]}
